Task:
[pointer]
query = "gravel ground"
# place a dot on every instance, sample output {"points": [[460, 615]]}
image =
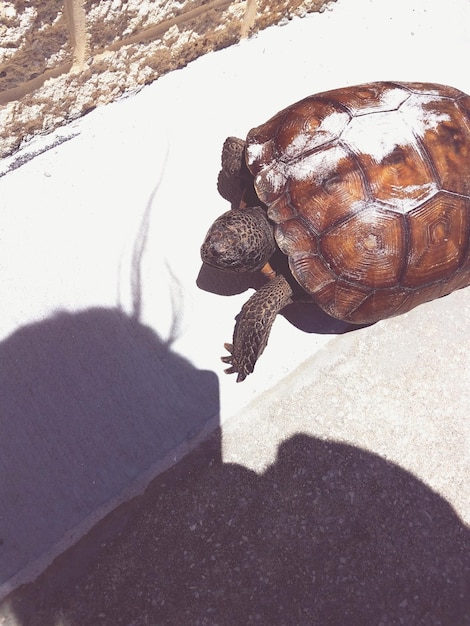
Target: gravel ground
{"points": [[327, 535]]}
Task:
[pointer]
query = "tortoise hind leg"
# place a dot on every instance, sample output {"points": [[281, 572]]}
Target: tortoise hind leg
{"points": [[254, 324]]}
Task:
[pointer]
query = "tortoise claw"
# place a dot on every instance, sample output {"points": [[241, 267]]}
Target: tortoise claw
{"points": [[228, 358], [234, 368]]}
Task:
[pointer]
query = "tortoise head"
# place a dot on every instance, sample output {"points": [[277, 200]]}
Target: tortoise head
{"points": [[240, 240]]}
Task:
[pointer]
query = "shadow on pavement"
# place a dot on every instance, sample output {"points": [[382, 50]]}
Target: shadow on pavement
{"points": [[329, 535], [89, 402]]}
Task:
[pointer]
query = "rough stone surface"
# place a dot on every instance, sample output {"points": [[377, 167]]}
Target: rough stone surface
{"points": [[59, 60], [33, 39]]}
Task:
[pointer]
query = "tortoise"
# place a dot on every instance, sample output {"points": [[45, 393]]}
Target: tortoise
{"points": [[365, 190]]}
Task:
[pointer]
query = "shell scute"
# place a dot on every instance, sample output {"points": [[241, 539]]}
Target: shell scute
{"points": [[312, 271], [339, 298], [260, 144], [294, 239], [369, 98], [392, 161], [443, 91], [324, 185], [457, 281], [439, 232], [447, 144], [282, 210], [372, 308], [463, 105], [309, 126], [367, 247], [271, 182]]}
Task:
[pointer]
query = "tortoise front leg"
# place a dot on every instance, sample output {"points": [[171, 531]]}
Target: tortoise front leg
{"points": [[235, 182], [233, 156], [253, 326]]}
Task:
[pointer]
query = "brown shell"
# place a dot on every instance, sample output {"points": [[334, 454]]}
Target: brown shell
{"points": [[369, 190]]}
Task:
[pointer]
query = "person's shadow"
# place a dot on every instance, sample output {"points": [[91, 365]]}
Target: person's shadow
{"points": [[329, 535], [90, 403]]}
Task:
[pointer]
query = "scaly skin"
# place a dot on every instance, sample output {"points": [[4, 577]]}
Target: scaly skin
{"points": [[234, 177], [233, 156], [254, 324]]}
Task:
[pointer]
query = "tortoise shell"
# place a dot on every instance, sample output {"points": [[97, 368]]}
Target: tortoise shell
{"points": [[369, 191]]}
